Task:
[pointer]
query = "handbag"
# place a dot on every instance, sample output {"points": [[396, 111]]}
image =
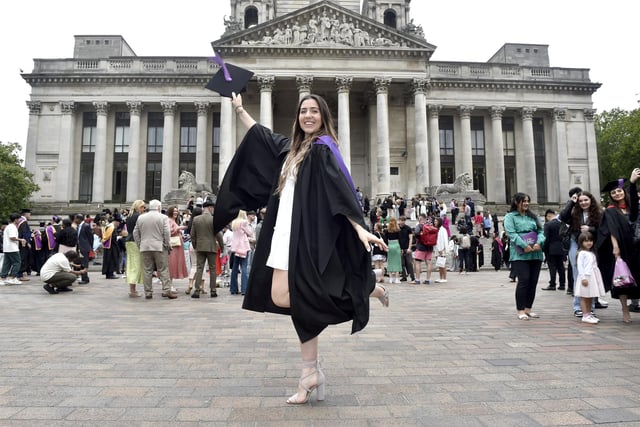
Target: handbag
{"points": [[175, 241], [622, 277], [441, 262]]}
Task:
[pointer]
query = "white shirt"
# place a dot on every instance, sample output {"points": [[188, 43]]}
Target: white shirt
{"points": [[58, 262], [9, 245]]}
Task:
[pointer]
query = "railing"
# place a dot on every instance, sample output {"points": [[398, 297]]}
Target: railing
{"points": [[125, 65], [491, 71]]}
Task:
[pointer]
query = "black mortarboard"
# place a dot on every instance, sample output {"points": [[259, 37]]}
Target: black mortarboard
{"points": [[229, 78], [25, 210], [208, 203], [611, 185]]}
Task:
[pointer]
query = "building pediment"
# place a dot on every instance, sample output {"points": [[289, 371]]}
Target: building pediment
{"points": [[325, 25]]}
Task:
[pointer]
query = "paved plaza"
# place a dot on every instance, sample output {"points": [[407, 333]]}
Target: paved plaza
{"points": [[449, 354]]}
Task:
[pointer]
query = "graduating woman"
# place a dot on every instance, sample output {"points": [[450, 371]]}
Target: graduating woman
{"points": [[313, 259], [615, 239]]}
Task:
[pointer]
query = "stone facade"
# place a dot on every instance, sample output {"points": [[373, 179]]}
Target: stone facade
{"points": [[113, 126]]}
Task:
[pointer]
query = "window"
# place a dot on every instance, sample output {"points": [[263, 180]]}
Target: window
{"points": [[188, 132], [446, 135], [155, 132], [153, 180], [107, 41], [123, 135], [477, 136], [250, 17], [508, 136], [390, 18], [394, 170], [89, 123]]}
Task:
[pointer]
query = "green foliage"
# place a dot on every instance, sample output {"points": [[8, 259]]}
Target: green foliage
{"points": [[617, 136], [16, 183]]}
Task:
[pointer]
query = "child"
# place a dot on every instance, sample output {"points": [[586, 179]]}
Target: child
{"points": [[589, 283]]}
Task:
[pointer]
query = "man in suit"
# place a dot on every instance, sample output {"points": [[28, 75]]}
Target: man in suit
{"points": [[554, 251], [206, 244], [85, 244], [152, 235]]}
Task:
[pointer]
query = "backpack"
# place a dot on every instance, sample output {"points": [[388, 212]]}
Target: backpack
{"points": [[466, 242], [429, 235]]}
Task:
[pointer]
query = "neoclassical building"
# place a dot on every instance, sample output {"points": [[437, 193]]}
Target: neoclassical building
{"points": [[109, 126]]}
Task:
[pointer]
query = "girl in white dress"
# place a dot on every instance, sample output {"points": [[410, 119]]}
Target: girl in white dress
{"points": [[589, 284]]}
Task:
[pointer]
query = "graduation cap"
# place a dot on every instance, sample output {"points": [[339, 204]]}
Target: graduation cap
{"points": [[612, 185], [229, 78]]}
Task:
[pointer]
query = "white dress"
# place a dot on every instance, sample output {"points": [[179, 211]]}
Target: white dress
{"points": [[279, 254], [588, 269]]}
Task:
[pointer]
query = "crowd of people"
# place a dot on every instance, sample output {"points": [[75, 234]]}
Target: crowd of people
{"points": [[311, 254]]}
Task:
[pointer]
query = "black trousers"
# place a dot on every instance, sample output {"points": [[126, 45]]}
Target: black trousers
{"points": [[84, 262], [527, 273], [407, 264], [556, 267]]}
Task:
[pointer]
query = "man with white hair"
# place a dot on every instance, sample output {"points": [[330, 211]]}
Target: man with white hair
{"points": [[152, 235]]}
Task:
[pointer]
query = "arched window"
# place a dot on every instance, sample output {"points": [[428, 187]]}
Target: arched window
{"points": [[250, 17], [390, 18]]}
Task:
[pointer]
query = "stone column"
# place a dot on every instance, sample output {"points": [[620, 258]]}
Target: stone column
{"points": [[464, 153], [267, 83], [67, 164], [227, 143], [434, 145], [303, 83], [419, 88], [203, 173], [383, 183], [496, 183], [35, 107], [135, 169], [344, 125], [372, 116], [592, 150], [559, 165], [170, 172], [99, 167], [526, 157]]}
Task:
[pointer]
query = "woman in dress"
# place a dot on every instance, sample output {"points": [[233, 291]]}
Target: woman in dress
{"points": [[441, 248], [240, 248], [526, 238], [582, 213], [177, 260], [394, 260], [615, 239], [135, 271], [318, 268], [379, 256]]}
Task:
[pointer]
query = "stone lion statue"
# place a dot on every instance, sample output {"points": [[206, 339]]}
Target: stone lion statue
{"points": [[460, 185], [187, 182]]}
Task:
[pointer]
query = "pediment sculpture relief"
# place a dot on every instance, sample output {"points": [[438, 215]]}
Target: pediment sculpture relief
{"points": [[324, 31]]}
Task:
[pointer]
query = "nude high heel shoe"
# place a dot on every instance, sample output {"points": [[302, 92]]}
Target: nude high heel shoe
{"points": [[306, 384]]}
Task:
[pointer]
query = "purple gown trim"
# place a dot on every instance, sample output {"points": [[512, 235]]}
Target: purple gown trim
{"points": [[51, 237], [329, 142]]}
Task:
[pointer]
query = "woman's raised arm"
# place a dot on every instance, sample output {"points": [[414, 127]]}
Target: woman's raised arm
{"points": [[245, 118]]}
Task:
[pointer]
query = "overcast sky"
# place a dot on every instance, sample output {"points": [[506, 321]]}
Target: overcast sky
{"points": [[600, 35]]}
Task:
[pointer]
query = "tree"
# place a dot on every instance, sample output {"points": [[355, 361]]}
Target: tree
{"points": [[16, 183], [617, 136]]}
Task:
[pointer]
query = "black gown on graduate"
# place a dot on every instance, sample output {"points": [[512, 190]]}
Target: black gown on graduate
{"points": [[616, 223], [330, 276]]}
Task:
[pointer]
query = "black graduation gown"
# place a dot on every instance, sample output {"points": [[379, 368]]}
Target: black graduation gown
{"points": [[615, 223], [330, 276]]}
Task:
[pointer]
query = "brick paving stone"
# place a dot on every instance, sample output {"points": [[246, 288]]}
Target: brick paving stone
{"points": [[447, 354]]}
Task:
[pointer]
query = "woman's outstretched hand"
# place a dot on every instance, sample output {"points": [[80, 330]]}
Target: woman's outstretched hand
{"points": [[236, 100]]}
